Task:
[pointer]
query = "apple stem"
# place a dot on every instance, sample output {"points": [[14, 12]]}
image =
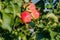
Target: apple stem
{"points": [[26, 26]]}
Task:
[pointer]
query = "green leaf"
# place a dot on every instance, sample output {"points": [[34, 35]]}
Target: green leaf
{"points": [[55, 10], [0, 5], [52, 34], [1, 38], [19, 38], [58, 37], [48, 6], [50, 1], [22, 36], [6, 22], [16, 9], [53, 16], [41, 25], [13, 7], [20, 3], [9, 9], [58, 25]]}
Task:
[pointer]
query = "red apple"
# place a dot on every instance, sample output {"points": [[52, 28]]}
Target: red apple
{"points": [[26, 17]]}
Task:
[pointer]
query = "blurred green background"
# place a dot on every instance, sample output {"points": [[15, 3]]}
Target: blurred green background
{"points": [[47, 27]]}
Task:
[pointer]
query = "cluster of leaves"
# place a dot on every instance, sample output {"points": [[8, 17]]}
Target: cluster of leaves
{"points": [[47, 27]]}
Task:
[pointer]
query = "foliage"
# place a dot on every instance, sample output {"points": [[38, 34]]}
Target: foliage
{"points": [[46, 27]]}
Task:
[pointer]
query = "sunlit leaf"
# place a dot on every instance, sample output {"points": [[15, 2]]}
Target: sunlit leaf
{"points": [[6, 22]]}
